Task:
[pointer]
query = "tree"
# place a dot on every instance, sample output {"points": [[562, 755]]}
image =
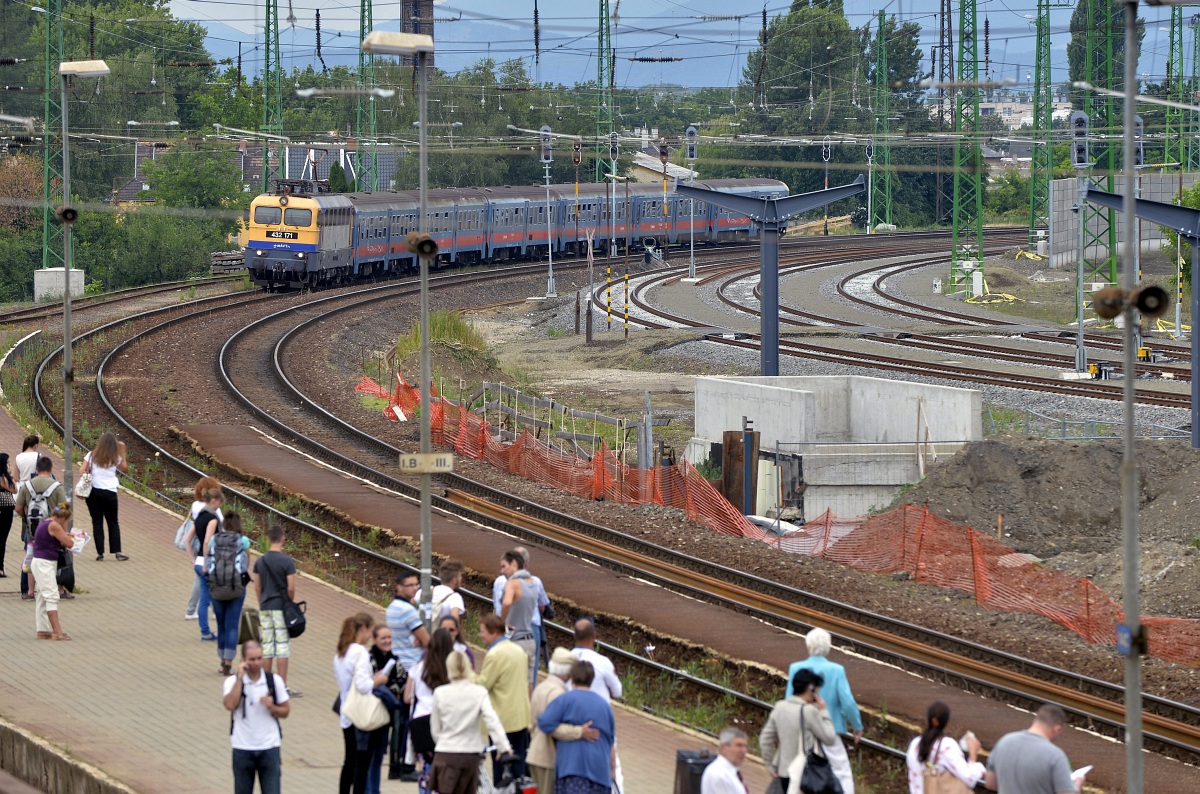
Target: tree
{"points": [[337, 178], [20, 192], [200, 178]]}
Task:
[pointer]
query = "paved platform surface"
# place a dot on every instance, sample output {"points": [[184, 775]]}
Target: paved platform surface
{"points": [[137, 694]]}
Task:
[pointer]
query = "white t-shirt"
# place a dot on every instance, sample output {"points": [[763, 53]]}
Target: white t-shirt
{"points": [[26, 465], [104, 478], [422, 694], [605, 684], [258, 730], [446, 599]]}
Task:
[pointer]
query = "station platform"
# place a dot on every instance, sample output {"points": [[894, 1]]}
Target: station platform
{"points": [[133, 702]]}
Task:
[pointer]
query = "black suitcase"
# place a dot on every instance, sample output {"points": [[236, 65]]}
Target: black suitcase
{"points": [[689, 768]]}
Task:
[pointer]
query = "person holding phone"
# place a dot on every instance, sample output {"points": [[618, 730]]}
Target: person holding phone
{"points": [[384, 662], [813, 726]]}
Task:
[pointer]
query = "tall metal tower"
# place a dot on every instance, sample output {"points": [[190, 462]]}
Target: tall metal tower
{"points": [[1100, 224], [366, 157], [1174, 127], [944, 72], [1193, 149], [1042, 166], [272, 117], [52, 161], [967, 210], [881, 200], [604, 94]]}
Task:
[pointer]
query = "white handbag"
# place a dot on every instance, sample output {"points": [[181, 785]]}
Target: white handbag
{"points": [[83, 489], [365, 712]]}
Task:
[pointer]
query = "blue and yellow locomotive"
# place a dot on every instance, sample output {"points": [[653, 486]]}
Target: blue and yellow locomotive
{"points": [[301, 235]]}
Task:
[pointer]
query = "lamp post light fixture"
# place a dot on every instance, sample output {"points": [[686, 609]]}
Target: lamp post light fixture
{"points": [[421, 46], [66, 215], [382, 93]]}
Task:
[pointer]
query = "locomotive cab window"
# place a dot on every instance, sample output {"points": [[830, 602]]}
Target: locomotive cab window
{"points": [[267, 215], [297, 217]]}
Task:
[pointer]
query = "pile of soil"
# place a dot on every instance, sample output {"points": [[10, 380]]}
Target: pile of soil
{"points": [[1061, 501]]}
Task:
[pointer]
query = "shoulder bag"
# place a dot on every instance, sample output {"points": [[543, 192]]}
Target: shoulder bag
{"points": [[818, 777], [293, 611], [66, 570], [83, 488], [365, 712], [941, 781]]}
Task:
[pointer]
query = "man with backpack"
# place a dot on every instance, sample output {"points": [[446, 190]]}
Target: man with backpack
{"points": [[274, 581], [257, 700], [35, 499], [228, 571]]}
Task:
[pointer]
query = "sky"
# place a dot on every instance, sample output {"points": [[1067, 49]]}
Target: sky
{"points": [[713, 46]]}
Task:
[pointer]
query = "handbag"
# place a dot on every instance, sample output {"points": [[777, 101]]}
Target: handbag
{"points": [[83, 488], [249, 626], [365, 712], [293, 617], [181, 533], [65, 574], [818, 777], [941, 781], [7, 498], [775, 786]]}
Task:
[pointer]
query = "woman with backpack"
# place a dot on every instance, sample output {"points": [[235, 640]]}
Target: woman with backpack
{"points": [[227, 566], [103, 463], [206, 521], [50, 536]]}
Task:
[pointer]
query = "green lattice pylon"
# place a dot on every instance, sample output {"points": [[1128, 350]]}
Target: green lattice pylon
{"points": [[272, 115], [1174, 125], [967, 210], [52, 161], [366, 156], [604, 96], [881, 199], [1193, 148], [1041, 170], [1100, 224]]}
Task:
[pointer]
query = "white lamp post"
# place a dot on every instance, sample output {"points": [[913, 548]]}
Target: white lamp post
{"points": [[419, 45], [67, 215]]}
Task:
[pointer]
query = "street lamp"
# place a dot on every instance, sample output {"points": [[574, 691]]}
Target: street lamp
{"points": [[67, 215], [420, 45]]}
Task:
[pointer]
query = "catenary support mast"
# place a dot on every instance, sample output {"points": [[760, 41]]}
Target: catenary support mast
{"points": [[52, 158], [882, 183], [967, 210], [272, 116], [366, 157]]}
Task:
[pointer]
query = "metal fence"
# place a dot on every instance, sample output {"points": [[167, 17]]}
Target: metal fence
{"points": [[1031, 423]]}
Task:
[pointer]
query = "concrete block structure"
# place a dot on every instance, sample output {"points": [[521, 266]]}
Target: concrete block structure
{"points": [[841, 443], [48, 283]]}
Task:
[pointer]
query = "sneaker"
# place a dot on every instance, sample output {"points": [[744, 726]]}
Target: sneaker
{"points": [[208, 637], [26, 597], [191, 616], [295, 693]]}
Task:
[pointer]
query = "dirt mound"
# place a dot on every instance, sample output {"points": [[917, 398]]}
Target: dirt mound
{"points": [[1061, 501], [454, 368], [1001, 277]]}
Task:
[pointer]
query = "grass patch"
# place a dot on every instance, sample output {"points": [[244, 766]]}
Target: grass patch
{"points": [[447, 327]]}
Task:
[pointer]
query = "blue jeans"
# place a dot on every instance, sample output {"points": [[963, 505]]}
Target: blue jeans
{"points": [[379, 748], [228, 613], [264, 763], [205, 600]]}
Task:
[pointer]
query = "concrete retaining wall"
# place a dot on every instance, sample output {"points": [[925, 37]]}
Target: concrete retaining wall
{"points": [[46, 768]]}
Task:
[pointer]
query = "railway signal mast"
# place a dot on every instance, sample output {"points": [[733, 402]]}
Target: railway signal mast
{"points": [[1080, 158], [691, 136], [547, 158]]}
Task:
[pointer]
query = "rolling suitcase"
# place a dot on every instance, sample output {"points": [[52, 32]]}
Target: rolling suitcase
{"points": [[689, 768]]}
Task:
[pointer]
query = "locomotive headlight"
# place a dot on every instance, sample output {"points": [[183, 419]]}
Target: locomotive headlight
{"points": [[299, 256], [260, 253]]}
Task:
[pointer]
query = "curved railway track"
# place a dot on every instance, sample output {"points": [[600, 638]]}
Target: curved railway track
{"points": [[107, 299], [823, 352], [1170, 725]]}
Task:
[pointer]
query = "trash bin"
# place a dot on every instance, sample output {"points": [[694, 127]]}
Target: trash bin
{"points": [[689, 768]]}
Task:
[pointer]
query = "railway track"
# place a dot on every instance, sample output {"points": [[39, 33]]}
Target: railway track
{"points": [[838, 355], [1170, 725], [108, 299]]}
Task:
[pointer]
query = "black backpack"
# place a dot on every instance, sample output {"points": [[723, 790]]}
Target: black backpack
{"points": [[226, 567]]}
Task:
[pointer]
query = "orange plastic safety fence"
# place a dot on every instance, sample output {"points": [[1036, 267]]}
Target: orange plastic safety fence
{"points": [[937, 551], [603, 477]]}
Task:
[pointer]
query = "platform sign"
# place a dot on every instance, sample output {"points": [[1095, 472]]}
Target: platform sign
{"points": [[427, 463]]}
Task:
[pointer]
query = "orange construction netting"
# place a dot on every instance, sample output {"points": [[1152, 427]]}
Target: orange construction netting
{"points": [[943, 553], [907, 539], [603, 477]]}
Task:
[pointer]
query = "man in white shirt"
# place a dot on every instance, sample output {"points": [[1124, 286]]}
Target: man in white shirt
{"points": [[723, 775], [446, 598], [605, 684], [27, 459], [257, 701]]}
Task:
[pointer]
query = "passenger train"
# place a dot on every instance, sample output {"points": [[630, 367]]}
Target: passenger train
{"points": [[302, 236]]}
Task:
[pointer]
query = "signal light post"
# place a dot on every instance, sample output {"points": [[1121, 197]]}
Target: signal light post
{"points": [[1082, 162], [548, 158], [691, 161]]}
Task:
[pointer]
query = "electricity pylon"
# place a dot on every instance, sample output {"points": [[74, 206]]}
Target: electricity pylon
{"points": [[967, 209], [882, 184]]}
